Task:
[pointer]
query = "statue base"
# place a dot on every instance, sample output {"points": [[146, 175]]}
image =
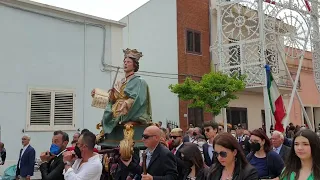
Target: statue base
{"points": [[113, 139]]}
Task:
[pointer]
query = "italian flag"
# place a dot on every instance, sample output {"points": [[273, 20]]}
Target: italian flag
{"points": [[275, 99]]}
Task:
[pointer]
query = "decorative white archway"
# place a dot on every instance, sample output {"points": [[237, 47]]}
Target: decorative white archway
{"points": [[252, 33]]}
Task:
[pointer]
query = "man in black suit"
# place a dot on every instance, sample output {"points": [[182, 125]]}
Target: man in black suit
{"points": [[26, 162], [242, 139], [176, 135], [277, 139], [161, 163], [52, 161], [211, 131], [189, 137]]}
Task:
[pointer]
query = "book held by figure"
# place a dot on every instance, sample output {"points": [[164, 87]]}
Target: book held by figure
{"points": [[100, 99]]}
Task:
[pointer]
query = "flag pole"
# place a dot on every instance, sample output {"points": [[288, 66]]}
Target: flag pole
{"points": [[295, 85], [267, 107], [296, 92]]}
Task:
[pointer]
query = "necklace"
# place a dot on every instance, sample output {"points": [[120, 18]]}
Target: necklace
{"points": [[125, 79], [129, 75], [229, 176]]}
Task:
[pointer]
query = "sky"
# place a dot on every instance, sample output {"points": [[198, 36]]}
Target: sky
{"points": [[108, 9]]}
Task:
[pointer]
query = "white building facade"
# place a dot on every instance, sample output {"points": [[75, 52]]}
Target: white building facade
{"points": [[51, 59], [155, 34]]}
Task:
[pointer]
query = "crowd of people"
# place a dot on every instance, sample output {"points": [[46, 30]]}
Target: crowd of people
{"points": [[206, 153]]}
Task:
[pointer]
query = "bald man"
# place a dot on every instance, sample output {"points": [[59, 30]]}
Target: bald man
{"points": [[25, 167], [161, 163]]}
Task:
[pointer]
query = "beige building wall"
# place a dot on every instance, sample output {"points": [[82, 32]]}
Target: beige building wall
{"points": [[253, 101]]}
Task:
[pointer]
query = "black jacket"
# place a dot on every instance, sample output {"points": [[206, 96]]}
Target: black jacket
{"points": [[123, 172], [162, 165], [3, 155], [245, 144], [207, 160], [180, 163], [247, 172], [284, 152], [200, 175], [53, 169]]}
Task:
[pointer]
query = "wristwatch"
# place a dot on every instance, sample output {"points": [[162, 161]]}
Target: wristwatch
{"points": [[68, 163]]}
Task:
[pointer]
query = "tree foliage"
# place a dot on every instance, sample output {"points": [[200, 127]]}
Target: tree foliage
{"points": [[213, 92]]}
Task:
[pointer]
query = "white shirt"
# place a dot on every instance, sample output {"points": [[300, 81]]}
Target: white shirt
{"points": [[90, 170], [278, 149], [177, 148], [23, 150], [210, 149]]}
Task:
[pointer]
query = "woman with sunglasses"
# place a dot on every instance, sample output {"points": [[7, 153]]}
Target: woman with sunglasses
{"points": [[304, 159], [193, 163], [231, 163]]}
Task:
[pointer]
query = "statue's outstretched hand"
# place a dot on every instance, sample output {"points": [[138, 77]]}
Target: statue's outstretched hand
{"points": [[93, 92], [123, 109]]}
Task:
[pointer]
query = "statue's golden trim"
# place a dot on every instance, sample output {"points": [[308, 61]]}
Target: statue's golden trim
{"points": [[100, 136], [126, 145], [106, 162]]}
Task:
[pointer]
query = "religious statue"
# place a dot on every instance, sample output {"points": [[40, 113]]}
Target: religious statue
{"points": [[129, 99]]}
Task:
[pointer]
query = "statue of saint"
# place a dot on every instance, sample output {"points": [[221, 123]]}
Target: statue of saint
{"points": [[129, 99]]}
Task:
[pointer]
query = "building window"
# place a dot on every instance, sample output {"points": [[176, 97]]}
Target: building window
{"points": [[50, 110], [237, 116], [195, 116], [193, 42]]}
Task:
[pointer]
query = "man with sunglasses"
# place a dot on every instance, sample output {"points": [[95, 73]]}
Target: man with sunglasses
{"points": [[176, 139], [160, 162], [211, 131]]}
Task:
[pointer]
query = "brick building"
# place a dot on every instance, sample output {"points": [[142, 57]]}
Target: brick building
{"points": [[193, 50]]}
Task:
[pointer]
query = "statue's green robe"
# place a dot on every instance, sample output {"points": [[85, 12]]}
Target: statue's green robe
{"points": [[140, 111]]}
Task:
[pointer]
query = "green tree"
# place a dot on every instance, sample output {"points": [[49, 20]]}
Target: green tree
{"points": [[213, 92]]}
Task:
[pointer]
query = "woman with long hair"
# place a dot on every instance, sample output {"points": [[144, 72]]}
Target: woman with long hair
{"points": [[268, 163], [231, 163], [304, 159], [193, 162]]}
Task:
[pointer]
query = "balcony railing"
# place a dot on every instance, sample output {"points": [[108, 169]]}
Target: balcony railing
{"points": [[283, 78]]}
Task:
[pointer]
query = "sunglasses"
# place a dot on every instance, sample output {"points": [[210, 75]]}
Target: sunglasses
{"points": [[222, 154], [174, 137], [144, 136], [207, 129]]}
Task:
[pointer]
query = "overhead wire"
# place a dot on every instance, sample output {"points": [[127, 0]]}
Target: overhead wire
{"points": [[151, 73], [144, 73]]}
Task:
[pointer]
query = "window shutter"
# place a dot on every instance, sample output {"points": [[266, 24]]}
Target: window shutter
{"points": [[63, 108], [40, 108]]}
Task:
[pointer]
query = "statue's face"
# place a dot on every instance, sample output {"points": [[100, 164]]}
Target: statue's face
{"points": [[128, 65]]}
